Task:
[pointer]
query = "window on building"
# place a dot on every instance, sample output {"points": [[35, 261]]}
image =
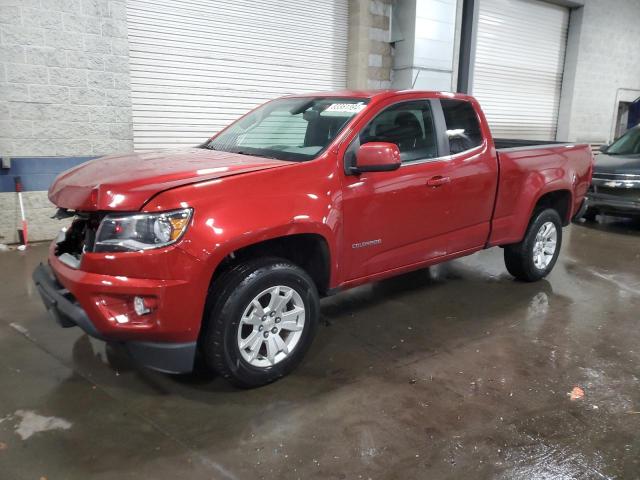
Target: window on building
{"points": [[463, 127]]}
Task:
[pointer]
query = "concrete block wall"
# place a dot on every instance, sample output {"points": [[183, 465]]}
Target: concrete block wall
{"points": [[370, 55], [39, 211], [64, 77], [601, 60], [64, 89]]}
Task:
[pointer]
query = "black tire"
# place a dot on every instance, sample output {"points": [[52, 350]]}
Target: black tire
{"points": [[590, 215], [519, 257], [230, 296]]}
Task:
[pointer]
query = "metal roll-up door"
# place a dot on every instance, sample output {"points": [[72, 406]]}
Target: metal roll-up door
{"points": [[197, 65], [519, 59]]}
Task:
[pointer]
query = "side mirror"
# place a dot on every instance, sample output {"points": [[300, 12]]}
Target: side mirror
{"points": [[604, 148], [377, 157]]}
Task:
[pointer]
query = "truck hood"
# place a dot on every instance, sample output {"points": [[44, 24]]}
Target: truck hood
{"points": [[617, 164], [127, 182]]}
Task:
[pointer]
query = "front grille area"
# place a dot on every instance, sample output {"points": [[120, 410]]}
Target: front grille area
{"points": [[617, 184], [615, 176], [81, 235], [626, 193]]}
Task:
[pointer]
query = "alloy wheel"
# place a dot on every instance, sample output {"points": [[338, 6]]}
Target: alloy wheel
{"points": [[271, 326], [545, 244]]}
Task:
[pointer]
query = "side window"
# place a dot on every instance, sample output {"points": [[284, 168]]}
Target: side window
{"points": [[463, 128], [409, 125]]}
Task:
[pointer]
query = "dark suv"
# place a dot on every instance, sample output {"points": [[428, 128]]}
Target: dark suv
{"points": [[616, 178]]}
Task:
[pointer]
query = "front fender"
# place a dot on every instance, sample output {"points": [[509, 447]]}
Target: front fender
{"points": [[236, 212], [225, 247]]}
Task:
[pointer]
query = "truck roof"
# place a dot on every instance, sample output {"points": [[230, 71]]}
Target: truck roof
{"points": [[380, 94]]}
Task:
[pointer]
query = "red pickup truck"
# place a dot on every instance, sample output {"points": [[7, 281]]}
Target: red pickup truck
{"points": [[225, 249]]}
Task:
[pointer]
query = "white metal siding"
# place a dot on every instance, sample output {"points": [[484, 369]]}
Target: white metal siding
{"points": [[518, 66], [196, 65]]}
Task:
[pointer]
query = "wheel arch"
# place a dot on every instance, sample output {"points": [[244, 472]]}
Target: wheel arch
{"points": [[308, 250], [560, 200]]}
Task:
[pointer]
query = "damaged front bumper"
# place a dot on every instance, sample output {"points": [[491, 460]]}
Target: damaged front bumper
{"points": [[165, 357]]}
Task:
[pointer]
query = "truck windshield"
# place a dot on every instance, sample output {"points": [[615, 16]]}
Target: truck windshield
{"points": [[627, 144], [295, 129]]}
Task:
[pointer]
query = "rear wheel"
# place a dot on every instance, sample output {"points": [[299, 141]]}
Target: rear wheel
{"points": [[534, 257], [261, 319]]}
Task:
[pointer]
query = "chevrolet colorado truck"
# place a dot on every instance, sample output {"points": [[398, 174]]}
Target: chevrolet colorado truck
{"points": [[223, 250]]}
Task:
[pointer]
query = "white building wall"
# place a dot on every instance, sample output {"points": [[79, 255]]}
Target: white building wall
{"points": [[602, 58], [424, 33]]}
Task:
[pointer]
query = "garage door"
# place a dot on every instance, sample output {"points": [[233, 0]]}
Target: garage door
{"points": [[517, 72], [196, 65]]}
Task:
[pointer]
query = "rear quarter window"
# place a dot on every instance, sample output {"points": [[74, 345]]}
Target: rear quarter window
{"points": [[463, 127]]}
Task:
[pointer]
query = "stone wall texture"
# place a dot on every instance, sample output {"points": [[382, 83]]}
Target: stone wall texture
{"points": [[64, 91], [64, 77], [370, 56]]}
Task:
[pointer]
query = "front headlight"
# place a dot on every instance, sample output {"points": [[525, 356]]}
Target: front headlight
{"points": [[141, 231]]}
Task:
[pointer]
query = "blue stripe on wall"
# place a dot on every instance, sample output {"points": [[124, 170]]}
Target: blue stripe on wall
{"points": [[36, 173]]}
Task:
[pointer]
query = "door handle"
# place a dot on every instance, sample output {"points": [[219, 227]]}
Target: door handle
{"points": [[438, 181]]}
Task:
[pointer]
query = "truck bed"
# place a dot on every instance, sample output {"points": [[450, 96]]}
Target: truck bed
{"points": [[529, 169], [504, 143]]}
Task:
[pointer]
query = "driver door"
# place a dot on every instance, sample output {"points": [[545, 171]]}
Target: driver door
{"points": [[398, 218]]}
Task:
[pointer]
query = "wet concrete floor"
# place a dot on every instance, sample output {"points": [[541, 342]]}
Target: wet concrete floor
{"points": [[453, 372]]}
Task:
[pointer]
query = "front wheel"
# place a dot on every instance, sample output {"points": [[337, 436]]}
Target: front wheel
{"points": [[261, 319], [534, 257]]}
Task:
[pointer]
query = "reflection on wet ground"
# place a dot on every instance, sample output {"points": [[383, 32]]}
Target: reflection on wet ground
{"points": [[453, 372]]}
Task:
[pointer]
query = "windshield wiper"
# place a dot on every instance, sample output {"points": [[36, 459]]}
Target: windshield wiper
{"points": [[240, 152], [208, 146]]}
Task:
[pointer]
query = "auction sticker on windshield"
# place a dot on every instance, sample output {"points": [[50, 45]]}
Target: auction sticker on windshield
{"points": [[345, 107]]}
